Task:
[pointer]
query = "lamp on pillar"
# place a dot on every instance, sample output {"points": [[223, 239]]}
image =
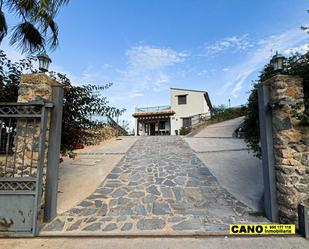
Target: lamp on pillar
{"points": [[44, 62], [277, 62]]}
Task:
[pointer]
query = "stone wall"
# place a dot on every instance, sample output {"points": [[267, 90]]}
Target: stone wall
{"points": [[291, 147]]}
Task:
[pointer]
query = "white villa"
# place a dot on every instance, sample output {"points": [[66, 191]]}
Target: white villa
{"points": [[186, 109]]}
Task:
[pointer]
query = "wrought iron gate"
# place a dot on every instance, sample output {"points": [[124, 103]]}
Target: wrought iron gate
{"points": [[22, 158]]}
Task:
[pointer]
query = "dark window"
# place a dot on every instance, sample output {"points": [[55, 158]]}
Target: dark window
{"points": [[182, 99], [162, 125], [186, 122]]}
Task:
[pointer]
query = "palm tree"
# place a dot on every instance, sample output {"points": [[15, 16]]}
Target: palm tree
{"points": [[36, 29]]}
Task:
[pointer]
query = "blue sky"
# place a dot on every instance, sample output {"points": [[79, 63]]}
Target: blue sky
{"points": [[147, 46]]}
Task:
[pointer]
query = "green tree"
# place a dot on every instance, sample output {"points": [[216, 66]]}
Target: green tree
{"points": [[36, 28]]}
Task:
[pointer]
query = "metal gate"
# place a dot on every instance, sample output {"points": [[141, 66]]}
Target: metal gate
{"points": [[22, 158]]}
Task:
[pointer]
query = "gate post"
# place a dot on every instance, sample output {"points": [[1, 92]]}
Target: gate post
{"points": [[290, 145], [53, 155], [269, 175], [41, 86]]}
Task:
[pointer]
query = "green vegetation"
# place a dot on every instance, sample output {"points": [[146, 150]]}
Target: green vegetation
{"points": [[184, 131], [36, 28], [221, 113]]}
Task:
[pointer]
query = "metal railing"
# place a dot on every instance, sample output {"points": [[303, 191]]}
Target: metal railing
{"points": [[196, 119], [153, 108]]}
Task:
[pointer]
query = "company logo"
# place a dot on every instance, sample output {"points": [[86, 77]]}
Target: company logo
{"points": [[262, 229]]}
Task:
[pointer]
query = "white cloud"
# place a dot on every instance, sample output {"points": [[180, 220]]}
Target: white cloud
{"points": [[257, 58], [302, 49], [234, 43], [149, 58], [148, 67]]}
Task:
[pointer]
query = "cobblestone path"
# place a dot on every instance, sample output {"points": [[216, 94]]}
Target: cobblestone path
{"points": [[159, 186]]}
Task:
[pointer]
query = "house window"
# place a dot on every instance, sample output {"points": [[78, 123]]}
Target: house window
{"points": [[162, 125], [182, 99], [186, 122]]}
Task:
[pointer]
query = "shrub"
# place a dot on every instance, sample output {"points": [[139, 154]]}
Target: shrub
{"points": [[184, 131], [222, 113]]}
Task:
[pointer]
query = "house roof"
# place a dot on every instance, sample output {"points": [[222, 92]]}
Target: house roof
{"points": [[183, 89], [206, 96], [159, 113]]}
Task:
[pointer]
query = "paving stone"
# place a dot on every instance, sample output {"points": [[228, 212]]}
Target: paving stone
{"points": [[119, 193], [153, 190], [107, 218], [149, 198], [85, 204], [104, 191], [132, 184], [169, 183], [140, 209], [166, 192], [75, 225], [112, 176], [98, 203], [126, 227], [159, 180], [135, 177], [93, 227], [123, 201], [192, 224], [126, 211], [103, 210], [176, 219], [150, 224], [161, 208], [110, 227], [88, 211], [136, 194], [56, 225], [180, 180], [201, 204], [179, 193], [91, 219], [122, 218], [181, 206]]}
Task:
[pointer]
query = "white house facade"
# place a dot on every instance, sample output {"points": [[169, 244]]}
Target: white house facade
{"points": [[187, 107]]}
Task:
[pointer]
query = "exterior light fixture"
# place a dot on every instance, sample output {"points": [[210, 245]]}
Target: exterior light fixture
{"points": [[44, 62], [277, 62]]}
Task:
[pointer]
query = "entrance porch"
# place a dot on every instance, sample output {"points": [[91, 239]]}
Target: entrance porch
{"points": [[154, 121], [154, 127]]}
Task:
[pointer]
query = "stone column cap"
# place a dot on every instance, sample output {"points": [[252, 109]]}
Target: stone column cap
{"points": [[40, 77], [282, 77]]}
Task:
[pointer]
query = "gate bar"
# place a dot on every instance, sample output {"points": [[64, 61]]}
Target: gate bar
{"points": [[54, 143], [269, 174]]}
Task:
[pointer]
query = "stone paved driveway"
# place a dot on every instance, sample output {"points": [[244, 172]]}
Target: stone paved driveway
{"points": [[159, 187]]}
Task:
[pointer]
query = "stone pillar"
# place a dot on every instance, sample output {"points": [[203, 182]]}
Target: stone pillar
{"points": [[32, 87], [291, 146]]}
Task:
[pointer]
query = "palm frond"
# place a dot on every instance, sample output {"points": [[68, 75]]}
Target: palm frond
{"points": [[3, 26], [21, 8], [53, 40], [27, 38], [53, 6], [46, 21]]}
